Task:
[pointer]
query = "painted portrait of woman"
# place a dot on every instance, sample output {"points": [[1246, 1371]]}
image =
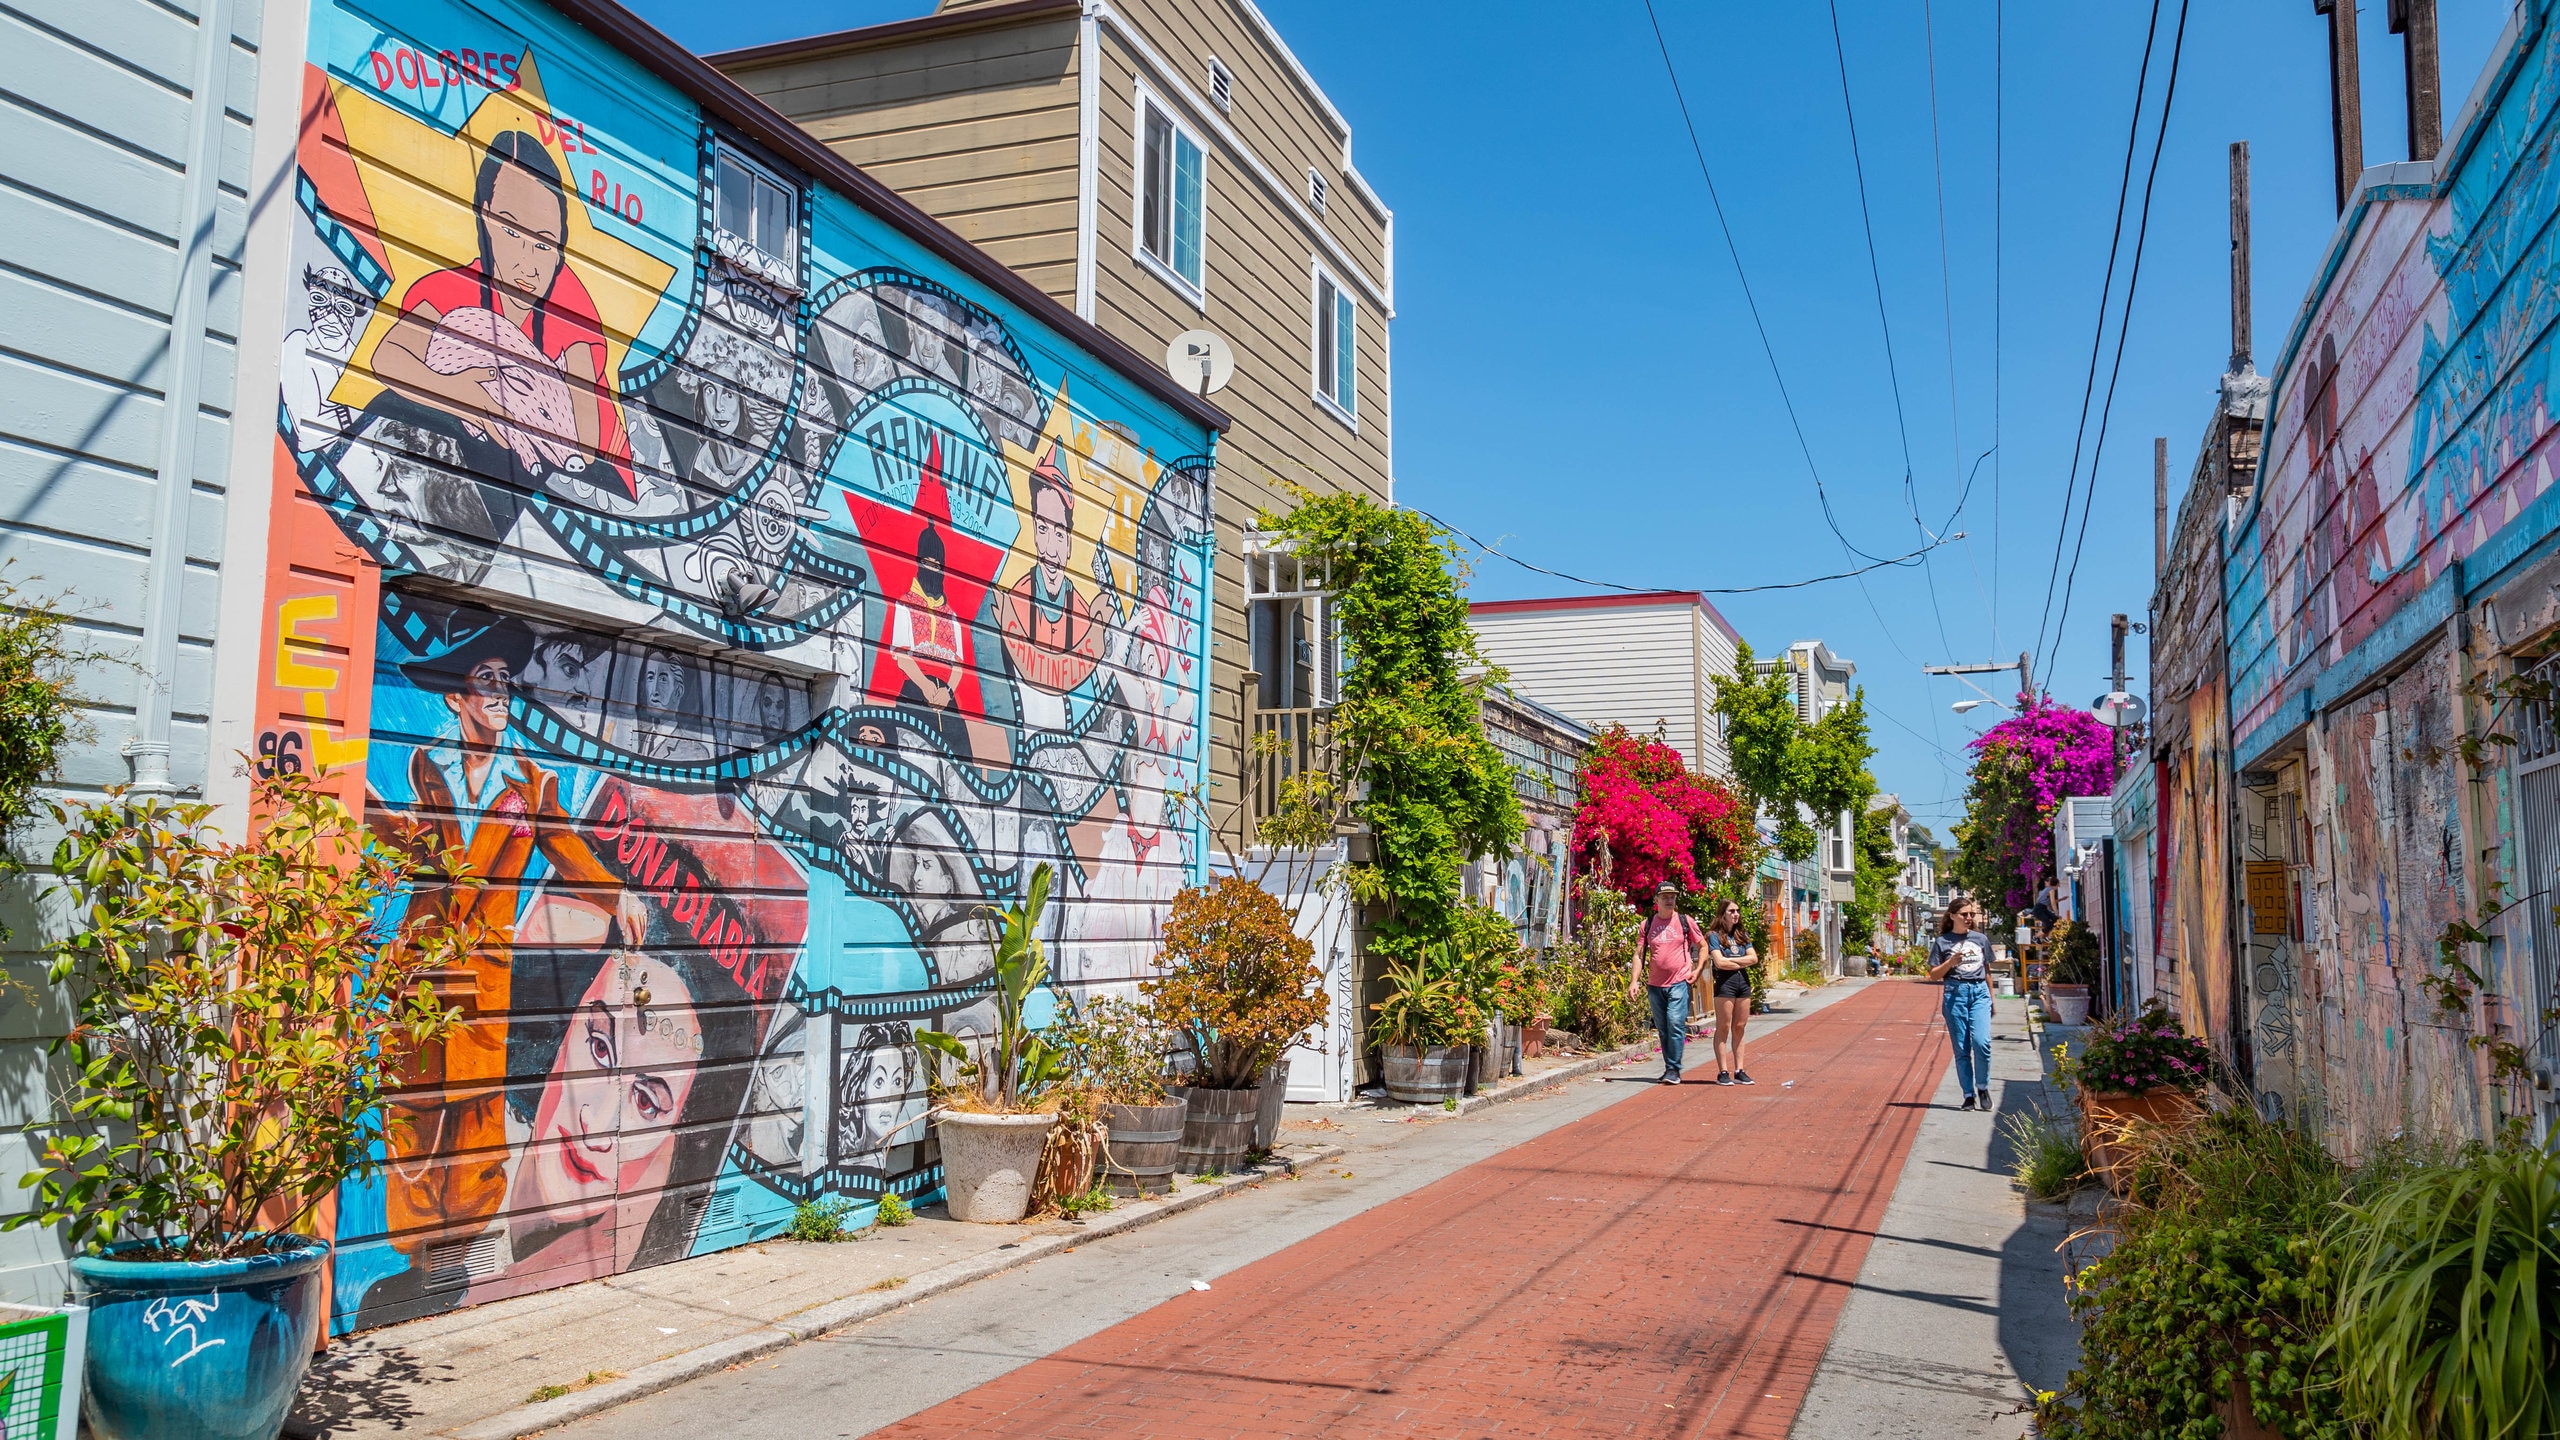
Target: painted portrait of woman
{"points": [[504, 356]]}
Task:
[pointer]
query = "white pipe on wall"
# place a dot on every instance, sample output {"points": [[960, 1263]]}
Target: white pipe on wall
{"points": [[165, 582]]}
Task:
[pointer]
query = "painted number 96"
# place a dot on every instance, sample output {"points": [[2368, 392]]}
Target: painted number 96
{"points": [[279, 753]]}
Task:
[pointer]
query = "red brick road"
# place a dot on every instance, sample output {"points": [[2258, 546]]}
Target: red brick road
{"points": [[1670, 1266]]}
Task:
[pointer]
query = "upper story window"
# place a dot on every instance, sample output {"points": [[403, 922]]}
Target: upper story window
{"points": [[1337, 347], [1170, 194], [758, 219]]}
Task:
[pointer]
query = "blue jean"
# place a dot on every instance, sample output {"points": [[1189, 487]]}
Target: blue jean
{"points": [[1967, 1006], [1670, 1021]]}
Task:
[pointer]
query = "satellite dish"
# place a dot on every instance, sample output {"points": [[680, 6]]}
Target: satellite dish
{"points": [[2118, 709], [1201, 361]]}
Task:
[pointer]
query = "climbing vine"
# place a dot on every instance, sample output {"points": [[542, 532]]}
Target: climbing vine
{"points": [[1413, 763]]}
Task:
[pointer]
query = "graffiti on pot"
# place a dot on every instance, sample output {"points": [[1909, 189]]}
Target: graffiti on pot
{"points": [[182, 1318], [750, 605]]}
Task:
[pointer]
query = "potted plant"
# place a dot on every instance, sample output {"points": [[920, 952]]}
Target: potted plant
{"points": [[2139, 1069], [237, 1013], [1424, 1030], [1117, 1052], [1240, 986], [2075, 968], [992, 1128], [1527, 1003]]}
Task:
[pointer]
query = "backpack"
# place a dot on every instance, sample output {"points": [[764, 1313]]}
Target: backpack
{"points": [[1688, 927]]}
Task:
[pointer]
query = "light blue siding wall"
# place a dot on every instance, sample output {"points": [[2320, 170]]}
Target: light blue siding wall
{"points": [[96, 103]]}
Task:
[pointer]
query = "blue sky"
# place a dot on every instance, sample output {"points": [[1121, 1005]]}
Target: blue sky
{"points": [[1577, 378]]}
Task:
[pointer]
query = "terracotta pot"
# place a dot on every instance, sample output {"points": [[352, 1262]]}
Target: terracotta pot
{"points": [[1066, 1165], [2104, 1113], [1533, 1037]]}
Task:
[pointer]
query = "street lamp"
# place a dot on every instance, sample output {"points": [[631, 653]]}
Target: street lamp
{"points": [[1964, 707]]}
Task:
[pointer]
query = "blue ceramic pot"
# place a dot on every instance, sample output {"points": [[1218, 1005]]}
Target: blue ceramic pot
{"points": [[198, 1349]]}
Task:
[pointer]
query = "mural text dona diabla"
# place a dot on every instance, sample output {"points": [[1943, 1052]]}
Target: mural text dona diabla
{"points": [[754, 601]]}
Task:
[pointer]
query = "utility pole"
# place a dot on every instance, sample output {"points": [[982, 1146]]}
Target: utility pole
{"points": [[2025, 667], [2415, 20], [2117, 626], [2346, 95], [2240, 337]]}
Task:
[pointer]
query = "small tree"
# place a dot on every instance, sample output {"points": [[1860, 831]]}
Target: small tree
{"points": [[2023, 769], [1240, 983], [1788, 767], [1659, 821], [237, 1011]]}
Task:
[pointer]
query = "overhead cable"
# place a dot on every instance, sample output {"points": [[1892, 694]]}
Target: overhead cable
{"points": [[1499, 553]]}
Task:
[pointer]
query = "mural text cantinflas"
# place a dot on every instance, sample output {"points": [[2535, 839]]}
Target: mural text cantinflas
{"points": [[750, 604]]}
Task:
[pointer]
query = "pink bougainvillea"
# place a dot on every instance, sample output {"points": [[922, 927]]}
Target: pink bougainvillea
{"points": [[2023, 769], [1661, 821]]}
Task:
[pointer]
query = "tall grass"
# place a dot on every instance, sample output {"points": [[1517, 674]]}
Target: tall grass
{"points": [[2047, 1158]]}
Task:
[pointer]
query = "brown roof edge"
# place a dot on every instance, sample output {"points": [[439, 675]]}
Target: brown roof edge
{"points": [[723, 98], [972, 18]]}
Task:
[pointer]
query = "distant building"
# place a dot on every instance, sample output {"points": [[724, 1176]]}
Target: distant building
{"points": [[1822, 682], [1545, 748], [1647, 662]]}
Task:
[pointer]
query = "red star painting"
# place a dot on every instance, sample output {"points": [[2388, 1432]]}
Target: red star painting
{"points": [[926, 650]]}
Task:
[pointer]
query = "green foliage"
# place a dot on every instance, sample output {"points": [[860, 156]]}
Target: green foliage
{"points": [[1878, 864], [2221, 1268], [38, 712], [1012, 1069], [1784, 763], [2074, 947], [2449, 1323], [1115, 1049], [1092, 1200], [2045, 1155], [894, 1211], [819, 1220], [1240, 983], [1427, 1004], [237, 1015], [1413, 762], [1588, 981]]}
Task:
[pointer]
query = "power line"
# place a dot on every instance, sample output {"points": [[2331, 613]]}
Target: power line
{"points": [[2159, 140], [1748, 299], [2097, 340], [1999, 144], [1499, 553]]}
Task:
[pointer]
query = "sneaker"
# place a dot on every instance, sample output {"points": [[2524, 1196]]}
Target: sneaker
{"points": [[1743, 1077], [1986, 1099], [1724, 1077], [1968, 1104], [1668, 1079]]}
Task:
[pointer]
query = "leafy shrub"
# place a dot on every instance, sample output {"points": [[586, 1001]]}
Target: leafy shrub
{"points": [[2144, 1050], [2221, 1269], [895, 1211], [1240, 983], [1008, 1071], [2047, 1162], [1427, 1004], [237, 1015], [2449, 1323], [1655, 820], [1116, 1049], [819, 1220]]}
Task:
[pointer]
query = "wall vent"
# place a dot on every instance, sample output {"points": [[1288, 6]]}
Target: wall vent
{"points": [[1222, 85], [1316, 189], [456, 1263]]}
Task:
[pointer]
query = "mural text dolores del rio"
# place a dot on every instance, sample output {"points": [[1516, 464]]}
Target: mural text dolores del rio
{"points": [[752, 600]]}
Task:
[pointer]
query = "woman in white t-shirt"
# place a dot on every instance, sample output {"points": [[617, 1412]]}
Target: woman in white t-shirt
{"points": [[1960, 959]]}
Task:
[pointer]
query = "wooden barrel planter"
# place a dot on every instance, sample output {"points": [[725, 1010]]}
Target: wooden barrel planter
{"points": [[1217, 1130], [1275, 1100], [2105, 1115], [1426, 1074], [1139, 1143]]}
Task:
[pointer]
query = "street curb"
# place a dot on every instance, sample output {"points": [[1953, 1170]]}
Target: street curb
{"points": [[1549, 1079], [834, 1315]]}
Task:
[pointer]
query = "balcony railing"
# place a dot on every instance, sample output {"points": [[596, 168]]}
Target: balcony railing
{"points": [[1280, 746]]}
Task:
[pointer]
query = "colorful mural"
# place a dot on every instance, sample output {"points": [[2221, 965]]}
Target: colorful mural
{"points": [[750, 606]]}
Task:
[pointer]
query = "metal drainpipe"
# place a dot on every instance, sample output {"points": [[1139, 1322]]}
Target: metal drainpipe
{"points": [[165, 584]]}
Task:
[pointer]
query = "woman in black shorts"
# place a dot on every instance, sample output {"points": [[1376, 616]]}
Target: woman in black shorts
{"points": [[1731, 957]]}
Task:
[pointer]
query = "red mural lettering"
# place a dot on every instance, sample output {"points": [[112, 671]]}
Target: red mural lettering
{"points": [[404, 63], [631, 208], [382, 73], [583, 147], [510, 62], [596, 186]]}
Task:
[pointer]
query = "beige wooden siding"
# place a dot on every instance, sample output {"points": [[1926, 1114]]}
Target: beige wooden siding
{"points": [[977, 129], [1625, 665], [1716, 656]]}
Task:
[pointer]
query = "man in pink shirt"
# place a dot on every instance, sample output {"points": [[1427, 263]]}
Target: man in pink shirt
{"points": [[1665, 963]]}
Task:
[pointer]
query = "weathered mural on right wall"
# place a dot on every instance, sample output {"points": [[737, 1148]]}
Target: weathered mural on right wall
{"points": [[751, 600], [2408, 479]]}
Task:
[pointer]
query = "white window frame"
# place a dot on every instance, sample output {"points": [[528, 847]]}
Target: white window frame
{"points": [[1275, 578], [1195, 291], [1319, 282], [752, 253]]}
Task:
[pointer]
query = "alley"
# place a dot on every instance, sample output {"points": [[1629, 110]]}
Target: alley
{"points": [[1669, 1264]]}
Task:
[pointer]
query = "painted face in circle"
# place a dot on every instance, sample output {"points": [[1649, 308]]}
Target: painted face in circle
{"points": [[525, 219], [773, 708], [605, 1127], [481, 704]]}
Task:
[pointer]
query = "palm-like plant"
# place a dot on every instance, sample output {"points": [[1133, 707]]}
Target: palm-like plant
{"points": [[1426, 1005], [1016, 1064]]}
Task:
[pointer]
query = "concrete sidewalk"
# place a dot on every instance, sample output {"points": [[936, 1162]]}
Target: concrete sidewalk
{"points": [[1958, 1313], [515, 1367]]}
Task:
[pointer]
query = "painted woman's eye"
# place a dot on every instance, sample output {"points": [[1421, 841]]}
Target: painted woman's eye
{"points": [[599, 1046], [648, 1102]]}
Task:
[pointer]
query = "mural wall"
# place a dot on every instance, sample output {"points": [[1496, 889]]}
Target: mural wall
{"points": [[2408, 474], [750, 603]]}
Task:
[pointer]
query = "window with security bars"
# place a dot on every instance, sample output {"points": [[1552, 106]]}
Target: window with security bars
{"points": [[758, 210], [1292, 632], [2537, 778]]}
